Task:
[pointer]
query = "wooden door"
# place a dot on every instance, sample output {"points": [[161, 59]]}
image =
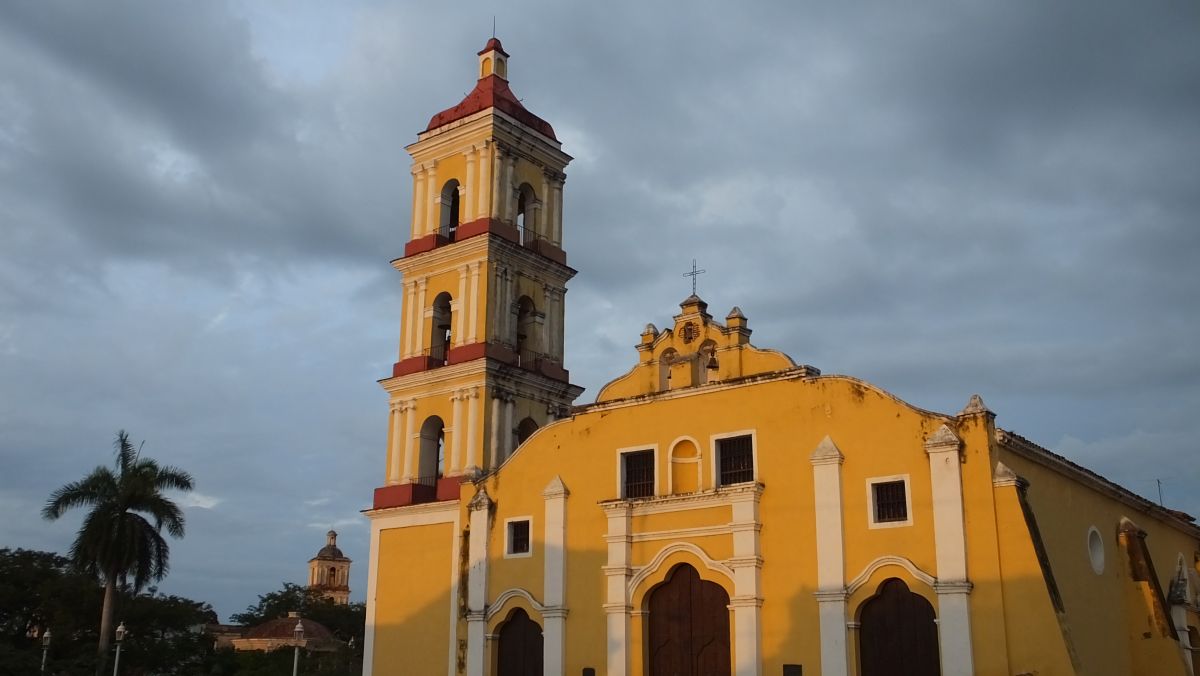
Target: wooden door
{"points": [[689, 627], [898, 636], [520, 650]]}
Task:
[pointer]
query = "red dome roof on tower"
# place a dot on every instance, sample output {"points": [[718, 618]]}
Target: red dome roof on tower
{"points": [[492, 45], [492, 91]]}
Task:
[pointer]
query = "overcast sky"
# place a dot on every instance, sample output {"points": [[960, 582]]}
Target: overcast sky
{"points": [[198, 203]]}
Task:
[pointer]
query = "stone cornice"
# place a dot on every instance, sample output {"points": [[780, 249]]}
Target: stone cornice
{"points": [[1027, 449], [726, 495], [471, 248], [406, 510], [797, 372]]}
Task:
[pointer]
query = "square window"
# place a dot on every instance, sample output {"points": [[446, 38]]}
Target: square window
{"points": [[735, 459], [517, 538], [890, 502], [638, 474]]}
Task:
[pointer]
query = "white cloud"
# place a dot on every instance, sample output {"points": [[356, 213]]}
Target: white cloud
{"points": [[200, 500]]}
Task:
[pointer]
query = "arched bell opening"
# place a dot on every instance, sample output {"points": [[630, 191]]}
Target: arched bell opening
{"points": [[665, 361], [526, 219], [524, 430], [440, 340], [525, 340], [432, 455], [707, 367], [449, 216]]}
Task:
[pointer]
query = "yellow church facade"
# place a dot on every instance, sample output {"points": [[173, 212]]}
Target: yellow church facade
{"points": [[719, 509]]}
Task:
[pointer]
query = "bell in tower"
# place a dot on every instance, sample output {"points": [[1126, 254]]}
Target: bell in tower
{"points": [[480, 363]]}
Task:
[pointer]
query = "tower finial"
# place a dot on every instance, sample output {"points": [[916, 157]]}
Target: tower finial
{"points": [[493, 26]]}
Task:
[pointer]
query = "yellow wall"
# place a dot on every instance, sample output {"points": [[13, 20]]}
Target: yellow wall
{"points": [[412, 619]]}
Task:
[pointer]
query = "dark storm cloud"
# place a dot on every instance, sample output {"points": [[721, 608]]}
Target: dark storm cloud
{"points": [[197, 210]]}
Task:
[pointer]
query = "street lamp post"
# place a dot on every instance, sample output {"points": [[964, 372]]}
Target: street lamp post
{"points": [[298, 634], [45, 648], [121, 632]]}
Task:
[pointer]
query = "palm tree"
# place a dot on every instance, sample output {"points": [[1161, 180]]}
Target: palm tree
{"points": [[121, 535]]}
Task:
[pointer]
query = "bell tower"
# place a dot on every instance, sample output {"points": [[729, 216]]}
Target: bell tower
{"points": [[480, 364]]}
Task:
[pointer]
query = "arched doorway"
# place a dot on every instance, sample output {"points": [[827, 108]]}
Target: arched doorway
{"points": [[688, 626], [520, 650], [898, 636]]}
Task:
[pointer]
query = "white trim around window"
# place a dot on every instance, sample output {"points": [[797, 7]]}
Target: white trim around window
{"points": [[871, 482], [508, 552], [715, 455], [621, 468]]}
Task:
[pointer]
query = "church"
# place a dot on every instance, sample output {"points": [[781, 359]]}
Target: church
{"points": [[719, 508]]}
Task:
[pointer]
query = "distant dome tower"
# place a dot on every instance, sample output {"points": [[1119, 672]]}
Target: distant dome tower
{"points": [[329, 571]]}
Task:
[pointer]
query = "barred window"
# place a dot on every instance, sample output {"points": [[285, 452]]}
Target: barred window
{"points": [[639, 474], [736, 458], [891, 503], [518, 537]]}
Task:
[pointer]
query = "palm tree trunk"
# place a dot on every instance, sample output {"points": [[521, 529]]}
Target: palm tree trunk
{"points": [[106, 615]]}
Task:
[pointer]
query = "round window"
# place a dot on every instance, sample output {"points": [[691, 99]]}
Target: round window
{"points": [[1095, 547]]}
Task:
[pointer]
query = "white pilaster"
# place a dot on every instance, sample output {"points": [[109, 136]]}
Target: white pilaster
{"points": [[410, 457], [419, 311], [477, 571], [506, 433], [396, 466], [473, 310], [472, 456], [556, 218], [483, 203], [433, 200], [827, 460], [543, 223], [497, 200], [747, 586], [617, 574], [467, 210], [456, 440], [461, 299], [953, 588], [554, 615], [410, 319], [507, 187], [418, 215], [494, 450]]}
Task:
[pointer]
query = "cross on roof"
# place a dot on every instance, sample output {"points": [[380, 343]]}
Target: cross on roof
{"points": [[693, 274]]}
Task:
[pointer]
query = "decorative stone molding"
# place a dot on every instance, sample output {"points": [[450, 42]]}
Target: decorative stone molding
{"points": [[826, 453], [1004, 476], [481, 500], [889, 560], [556, 488], [942, 440], [974, 405]]}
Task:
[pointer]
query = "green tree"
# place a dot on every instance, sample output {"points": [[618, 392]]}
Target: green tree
{"points": [[121, 536]]}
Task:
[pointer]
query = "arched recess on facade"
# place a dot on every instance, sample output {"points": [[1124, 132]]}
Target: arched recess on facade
{"points": [[685, 466], [525, 429], [897, 633], [519, 645], [432, 451], [526, 338], [655, 572], [527, 214], [665, 361], [449, 216], [441, 337]]}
